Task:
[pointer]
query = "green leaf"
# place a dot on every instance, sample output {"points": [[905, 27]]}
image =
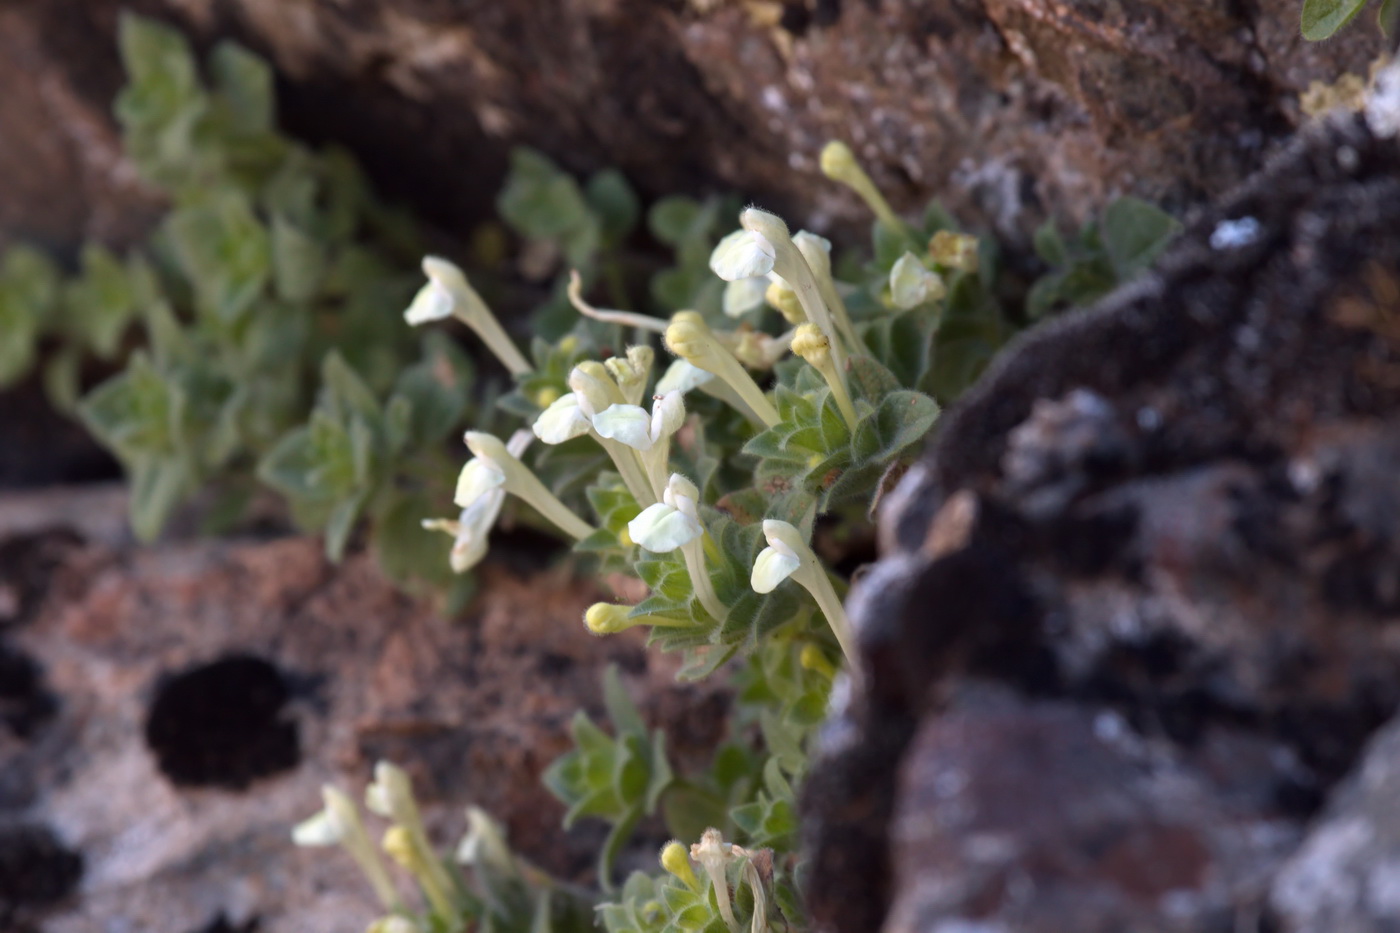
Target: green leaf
{"points": [[298, 261], [244, 82], [157, 485], [1387, 15], [1322, 18], [674, 219], [101, 303], [621, 710], [341, 523], [224, 251], [539, 201], [1134, 233], [1049, 245], [615, 204]]}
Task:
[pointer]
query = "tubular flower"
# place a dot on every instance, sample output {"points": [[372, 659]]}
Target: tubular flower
{"points": [[787, 555], [839, 164], [449, 294], [338, 823], [494, 467], [596, 392], [690, 338], [912, 284], [714, 855], [672, 522], [814, 347], [792, 266], [471, 530]]}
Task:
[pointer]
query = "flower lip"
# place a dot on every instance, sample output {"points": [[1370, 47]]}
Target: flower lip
{"points": [[912, 284], [563, 420], [682, 376], [744, 295], [672, 522], [743, 254]]}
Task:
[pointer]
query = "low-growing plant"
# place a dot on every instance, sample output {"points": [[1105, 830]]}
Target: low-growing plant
{"points": [[712, 450], [793, 398]]}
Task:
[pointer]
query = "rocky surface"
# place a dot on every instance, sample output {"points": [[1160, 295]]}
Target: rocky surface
{"points": [[166, 714], [1137, 616], [1006, 109]]}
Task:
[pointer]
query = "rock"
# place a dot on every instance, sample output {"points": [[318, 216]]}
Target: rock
{"points": [[200, 693], [1345, 878], [1174, 510], [1008, 110]]}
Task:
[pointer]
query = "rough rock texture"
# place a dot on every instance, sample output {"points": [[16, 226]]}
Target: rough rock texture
{"points": [[1138, 613], [170, 837], [1006, 109]]}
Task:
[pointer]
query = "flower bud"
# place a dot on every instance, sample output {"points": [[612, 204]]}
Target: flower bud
{"points": [[954, 250], [676, 860], [787, 303], [812, 345]]}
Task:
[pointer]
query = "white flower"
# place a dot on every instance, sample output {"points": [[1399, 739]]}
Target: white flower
{"points": [[682, 376], [631, 425], [672, 522], [912, 283], [394, 924], [436, 300], [562, 421], [742, 255], [390, 795], [328, 827], [471, 530], [594, 387], [481, 475], [631, 372], [780, 559], [744, 295], [815, 249]]}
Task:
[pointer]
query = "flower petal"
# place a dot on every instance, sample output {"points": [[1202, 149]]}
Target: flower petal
{"points": [[744, 295], [742, 255], [432, 303], [682, 376], [470, 543], [667, 415], [771, 568], [561, 421], [912, 284], [661, 528], [478, 477], [323, 829], [629, 424]]}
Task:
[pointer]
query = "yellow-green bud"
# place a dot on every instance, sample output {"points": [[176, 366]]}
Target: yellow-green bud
{"points": [[398, 844], [954, 250], [786, 301], [547, 396], [812, 345], [839, 163], [813, 658], [608, 618], [690, 338], [676, 860]]}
